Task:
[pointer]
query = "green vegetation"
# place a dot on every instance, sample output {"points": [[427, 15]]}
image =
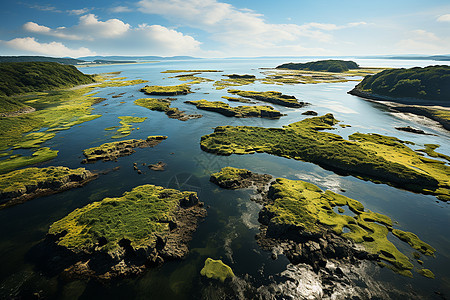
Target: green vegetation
{"points": [[238, 111], [54, 111], [414, 241], [111, 151], [229, 174], [322, 65], [429, 83], [270, 96], [192, 78], [10, 105], [164, 105], [236, 99], [426, 273], [368, 156], [216, 269], [18, 161], [25, 77], [61, 60], [304, 206], [174, 90], [234, 80], [139, 216], [126, 128], [429, 150], [21, 185]]}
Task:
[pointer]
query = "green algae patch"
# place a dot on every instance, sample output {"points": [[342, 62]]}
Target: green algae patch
{"points": [[164, 106], [21, 185], [368, 156], [271, 97], [114, 150], [216, 269], [174, 90], [426, 273], [238, 111], [126, 128], [429, 150], [301, 206], [18, 161], [414, 241]]}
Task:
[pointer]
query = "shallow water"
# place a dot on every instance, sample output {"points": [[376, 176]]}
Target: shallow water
{"points": [[228, 231]]}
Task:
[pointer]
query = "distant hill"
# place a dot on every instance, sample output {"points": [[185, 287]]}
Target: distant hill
{"points": [[430, 83], [24, 77], [411, 57], [330, 65], [61, 60]]}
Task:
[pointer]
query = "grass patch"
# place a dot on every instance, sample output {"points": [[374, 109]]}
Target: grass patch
{"points": [[238, 111], [126, 128], [174, 90], [270, 96]]}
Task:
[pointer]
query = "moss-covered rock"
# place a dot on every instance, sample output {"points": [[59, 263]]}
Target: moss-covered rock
{"points": [[141, 228], [368, 156], [239, 111], [216, 269], [300, 208], [270, 96], [164, 105], [174, 90], [234, 178], [25, 184], [426, 273], [114, 150]]}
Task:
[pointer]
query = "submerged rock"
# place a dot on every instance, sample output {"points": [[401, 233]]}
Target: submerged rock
{"points": [[159, 166]]}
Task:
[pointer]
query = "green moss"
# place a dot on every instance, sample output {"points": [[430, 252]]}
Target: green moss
{"points": [[126, 128], [236, 99], [216, 269], [234, 80], [19, 179], [10, 105], [429, 150], [174, 90], [370, 156], [17, 161], [426, 273], [138, 216], [304, 206], [270, 96], [164, 105], [414, 241], [238, 111], [192, 78], [229, 174]]}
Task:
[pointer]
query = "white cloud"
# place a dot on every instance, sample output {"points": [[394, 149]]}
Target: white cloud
{"points": [[239, 28], [88, 28], [423, 42], [120, 9], [78, 11], [122, 37], [444, 18], [31, 45]]}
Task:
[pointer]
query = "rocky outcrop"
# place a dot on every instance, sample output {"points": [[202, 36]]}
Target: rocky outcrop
{"points": [[310, 113], [114, 150], [22, 185], [233, 178], [173, 215], [159, 166], [412, 130]]}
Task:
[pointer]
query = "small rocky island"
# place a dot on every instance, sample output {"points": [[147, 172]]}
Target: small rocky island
{"points": [[164, 106], [123, 236], [271, 97], [114, 150], [261, 111], [25, 184], [330, 65], [182, 89], [312, 226]]}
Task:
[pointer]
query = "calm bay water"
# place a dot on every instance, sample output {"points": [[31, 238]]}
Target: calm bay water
{"points": [[228, 231]]}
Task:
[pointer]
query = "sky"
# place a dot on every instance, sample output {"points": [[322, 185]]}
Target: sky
{"points": [[225, 28]]}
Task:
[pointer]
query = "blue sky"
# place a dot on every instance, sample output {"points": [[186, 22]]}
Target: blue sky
{"points": [[224, 28]]}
